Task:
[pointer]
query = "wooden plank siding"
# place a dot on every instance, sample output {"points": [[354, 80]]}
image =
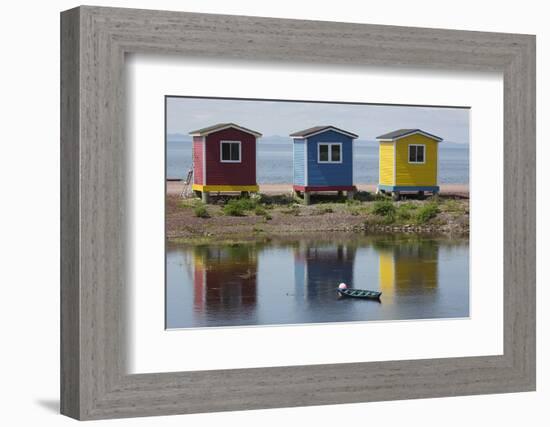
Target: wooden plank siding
{"points": [[242, 173], [386, 163], [330, 174], [299, 162], [414, 174], [198, 176]]}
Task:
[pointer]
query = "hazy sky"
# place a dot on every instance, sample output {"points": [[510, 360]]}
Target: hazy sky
{"points": [[282, 118]]}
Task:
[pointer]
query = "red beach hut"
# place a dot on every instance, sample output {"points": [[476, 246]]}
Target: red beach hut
{"points": [[224, 159]]}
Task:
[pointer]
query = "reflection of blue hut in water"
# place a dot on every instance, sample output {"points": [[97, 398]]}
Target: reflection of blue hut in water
{"points": [[225, 280], [320, 267]]}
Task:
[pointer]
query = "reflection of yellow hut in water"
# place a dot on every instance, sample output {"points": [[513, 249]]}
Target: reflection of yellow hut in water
{"points": [[225, 278], [404, 266]]}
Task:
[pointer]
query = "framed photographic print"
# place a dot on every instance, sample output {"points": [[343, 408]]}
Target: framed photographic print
{"points": [[292, 213], [289, 229]]}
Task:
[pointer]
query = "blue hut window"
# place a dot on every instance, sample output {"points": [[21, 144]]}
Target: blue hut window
{"points": [[416, 153], [329, 152], [230, 151]]}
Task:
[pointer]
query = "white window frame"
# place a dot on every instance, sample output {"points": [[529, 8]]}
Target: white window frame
{"points": [[240, 151], [330, 144], [409, 153]]}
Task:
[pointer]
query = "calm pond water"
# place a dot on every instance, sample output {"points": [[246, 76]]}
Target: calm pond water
{"points": [[294, 281]]}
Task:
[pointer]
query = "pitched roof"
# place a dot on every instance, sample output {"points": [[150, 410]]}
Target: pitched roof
{"points": [[221, 126], [400, 133], [320, 129]]}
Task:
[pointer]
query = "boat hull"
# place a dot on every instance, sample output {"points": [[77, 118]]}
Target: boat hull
{"points": [[359, 293]]}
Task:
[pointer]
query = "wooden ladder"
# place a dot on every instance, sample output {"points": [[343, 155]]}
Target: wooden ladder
{"points": [[187, 185]]}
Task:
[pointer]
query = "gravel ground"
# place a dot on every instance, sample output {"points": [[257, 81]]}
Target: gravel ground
{"points": [[183, 225]]}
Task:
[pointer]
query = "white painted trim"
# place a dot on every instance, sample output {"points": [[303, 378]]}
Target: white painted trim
{"points": [[309, 135], [433, 137], [409, 154], [330, 144], [306, 158], [231, 126], [204, 160], [240, 151]]}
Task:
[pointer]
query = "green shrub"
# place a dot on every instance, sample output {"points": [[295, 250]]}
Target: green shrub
{"points": [[403, 215], [233, 209], [427, 212], [405, 211], [201, 211], [239, 207], [381, 196], [384, 208], [246, 204], [260, 211]]}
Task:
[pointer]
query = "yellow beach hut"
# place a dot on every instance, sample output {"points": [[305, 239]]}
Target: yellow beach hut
{"points": [[408, 162]]}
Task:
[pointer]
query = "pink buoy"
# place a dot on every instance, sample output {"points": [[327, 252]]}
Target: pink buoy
{"points": [[342, 286]]}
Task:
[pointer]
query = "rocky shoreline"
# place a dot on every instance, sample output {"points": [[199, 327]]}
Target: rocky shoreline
{"points": [[189, 221]]}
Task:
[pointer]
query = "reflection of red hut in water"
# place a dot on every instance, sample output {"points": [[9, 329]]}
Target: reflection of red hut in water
{"points": [[319, 268], [225, 279]]}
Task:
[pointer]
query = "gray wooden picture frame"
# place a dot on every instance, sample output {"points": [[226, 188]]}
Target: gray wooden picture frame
{"points": [[94, 41]]}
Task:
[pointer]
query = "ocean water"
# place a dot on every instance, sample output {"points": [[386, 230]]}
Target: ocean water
{"points": [[275, 162]]}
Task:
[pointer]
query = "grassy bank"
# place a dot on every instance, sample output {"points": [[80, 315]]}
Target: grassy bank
{"points": [[241, 219]]}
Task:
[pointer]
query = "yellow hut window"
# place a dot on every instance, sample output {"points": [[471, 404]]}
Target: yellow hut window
{"points": [[417, 153]]}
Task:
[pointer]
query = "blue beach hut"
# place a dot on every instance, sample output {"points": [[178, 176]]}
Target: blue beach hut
{"points": [[323, 161]]}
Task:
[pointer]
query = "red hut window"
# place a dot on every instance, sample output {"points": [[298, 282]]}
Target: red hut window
{"points": [[230, 151]]}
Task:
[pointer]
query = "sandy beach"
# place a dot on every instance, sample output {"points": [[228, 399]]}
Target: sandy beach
{"points": [[458, 190]]}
